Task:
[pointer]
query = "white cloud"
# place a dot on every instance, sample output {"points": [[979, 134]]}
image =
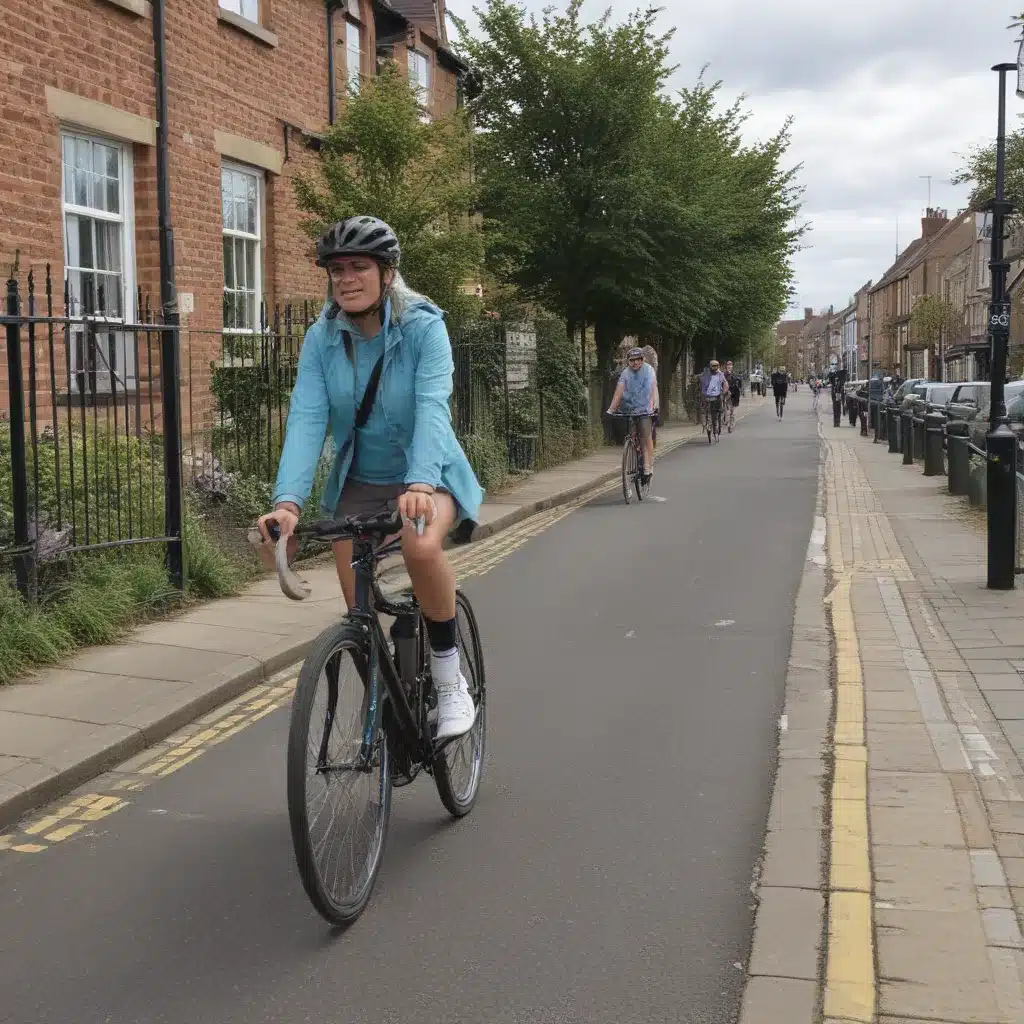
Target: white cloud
{"points": [[880, 94]]}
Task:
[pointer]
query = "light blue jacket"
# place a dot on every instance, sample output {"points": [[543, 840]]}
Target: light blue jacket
{"points": [[415, 384]]}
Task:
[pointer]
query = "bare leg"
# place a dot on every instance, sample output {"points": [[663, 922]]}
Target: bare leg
{"points": [[433, 579], [346, 574]]}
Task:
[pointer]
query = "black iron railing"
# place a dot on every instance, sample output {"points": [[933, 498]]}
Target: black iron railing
{"points": [[81, 461]]}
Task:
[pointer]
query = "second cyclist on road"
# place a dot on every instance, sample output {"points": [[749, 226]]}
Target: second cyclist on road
{"points": [[712, 386], [780, 385], [637, 393]]}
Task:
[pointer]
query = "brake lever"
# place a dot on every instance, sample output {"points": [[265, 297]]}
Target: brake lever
{"points": [[292, 586]]}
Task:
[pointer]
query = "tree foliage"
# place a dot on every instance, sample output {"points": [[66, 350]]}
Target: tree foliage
{"points": [[381, 159], [615, 204], [931, 316], [979, 167]]}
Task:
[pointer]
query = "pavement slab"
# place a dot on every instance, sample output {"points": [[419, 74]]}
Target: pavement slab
{"points": [[945, 723]]}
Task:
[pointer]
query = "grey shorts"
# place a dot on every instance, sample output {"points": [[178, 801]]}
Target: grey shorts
{"points": [[644, 425], [359, 499]]}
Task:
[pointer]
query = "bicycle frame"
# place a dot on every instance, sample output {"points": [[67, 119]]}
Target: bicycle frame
{"points": [[369, 602]]}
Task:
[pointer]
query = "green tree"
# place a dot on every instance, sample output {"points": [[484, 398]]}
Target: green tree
{"points": [[564, 113], [381, 159], [979, 167], [931, 316], [616, 205]]}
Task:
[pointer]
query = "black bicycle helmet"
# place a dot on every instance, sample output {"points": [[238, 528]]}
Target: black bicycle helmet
{"points": [[359, 236]]}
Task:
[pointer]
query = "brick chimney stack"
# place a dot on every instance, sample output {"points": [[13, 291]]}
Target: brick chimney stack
{"points": [[933, 222], [808, 313]]}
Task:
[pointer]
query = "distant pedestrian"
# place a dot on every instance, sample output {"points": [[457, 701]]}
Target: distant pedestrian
{"points": [[733, 400]]}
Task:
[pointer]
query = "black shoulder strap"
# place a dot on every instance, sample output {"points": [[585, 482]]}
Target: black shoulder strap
{"points": [[370, 394]]}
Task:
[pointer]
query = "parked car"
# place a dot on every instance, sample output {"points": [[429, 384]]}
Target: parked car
{"points": [[906, 390], [929, 397], [850, 389], [967, 400], [1014, 399]]}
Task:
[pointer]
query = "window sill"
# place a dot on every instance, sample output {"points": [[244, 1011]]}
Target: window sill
{"points": [[143, 8], [250, 28], [100, 399]]}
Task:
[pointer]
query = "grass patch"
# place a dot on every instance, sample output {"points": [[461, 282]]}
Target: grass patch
{"points": [[98, 597]]}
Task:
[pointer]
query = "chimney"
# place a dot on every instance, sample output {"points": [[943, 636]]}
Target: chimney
{"points": [[933, 222], [808, 313]]}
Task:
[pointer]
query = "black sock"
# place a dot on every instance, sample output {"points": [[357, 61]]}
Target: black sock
{"points": [[441, 635]]}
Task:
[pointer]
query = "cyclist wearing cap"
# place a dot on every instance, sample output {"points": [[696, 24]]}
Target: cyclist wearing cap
{"points": [[637, 393], [376, 331], [712, 386]]}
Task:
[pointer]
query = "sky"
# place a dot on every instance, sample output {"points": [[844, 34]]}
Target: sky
{"points": [[880, 95]]}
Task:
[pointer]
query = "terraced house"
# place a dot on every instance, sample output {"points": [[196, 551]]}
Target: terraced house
{"points": [[251, 85]]}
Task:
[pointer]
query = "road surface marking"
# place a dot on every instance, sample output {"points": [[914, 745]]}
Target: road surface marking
{"points": [[54, 826], [850, 965]]}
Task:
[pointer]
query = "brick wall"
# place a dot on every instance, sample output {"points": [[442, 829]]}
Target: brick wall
{"points": [[220, 79], [222, 82]]}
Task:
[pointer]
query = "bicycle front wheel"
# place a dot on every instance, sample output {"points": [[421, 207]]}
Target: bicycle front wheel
{"points": [[338, 805], [628, 469], [459, 766]]}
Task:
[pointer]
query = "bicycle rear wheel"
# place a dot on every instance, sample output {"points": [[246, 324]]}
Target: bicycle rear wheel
{"points": [[338, 809], [628, 469], [459, 766]]}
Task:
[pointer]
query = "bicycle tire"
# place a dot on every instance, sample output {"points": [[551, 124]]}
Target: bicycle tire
{"points": [[339, 909], [459, 801], [627, 470], [642, 489]]}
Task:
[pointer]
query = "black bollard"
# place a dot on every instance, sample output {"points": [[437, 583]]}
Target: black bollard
{"points": [[957, 441], [933, 444]]}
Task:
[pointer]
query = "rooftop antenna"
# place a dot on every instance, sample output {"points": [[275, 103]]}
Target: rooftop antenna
{"points": [[928, 178]]}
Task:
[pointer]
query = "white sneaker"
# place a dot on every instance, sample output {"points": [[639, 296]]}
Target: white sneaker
{"points": [[456, 711]]}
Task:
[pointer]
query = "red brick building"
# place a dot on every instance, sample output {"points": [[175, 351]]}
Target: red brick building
{"points": [[251, 84]]}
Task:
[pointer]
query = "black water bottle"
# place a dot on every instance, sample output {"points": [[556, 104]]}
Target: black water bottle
{"points": [[404, 637]]}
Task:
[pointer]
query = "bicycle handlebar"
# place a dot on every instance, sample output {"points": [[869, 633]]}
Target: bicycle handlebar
{"points": [[377, 524]]}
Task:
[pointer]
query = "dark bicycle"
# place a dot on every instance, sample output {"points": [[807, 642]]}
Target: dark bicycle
{"points": [[713, 418], [351, 740], [632, 459]]}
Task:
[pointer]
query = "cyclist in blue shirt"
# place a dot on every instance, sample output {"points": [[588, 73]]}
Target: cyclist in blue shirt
{"points": [[404, 454], [712, 386], [637, 393]]}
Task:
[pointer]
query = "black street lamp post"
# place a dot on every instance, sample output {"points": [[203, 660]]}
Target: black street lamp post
{"points": [[1001, 443]]}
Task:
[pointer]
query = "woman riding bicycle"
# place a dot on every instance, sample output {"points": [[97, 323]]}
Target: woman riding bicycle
{"points": [[377, 336]]}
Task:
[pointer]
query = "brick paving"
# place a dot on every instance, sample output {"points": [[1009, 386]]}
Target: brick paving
{"points": [[943, 684]]}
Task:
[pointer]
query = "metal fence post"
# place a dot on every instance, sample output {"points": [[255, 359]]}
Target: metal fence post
{"points": [[503, 340], [892, 418], [908, 438], [19, 462], [540, 407]]}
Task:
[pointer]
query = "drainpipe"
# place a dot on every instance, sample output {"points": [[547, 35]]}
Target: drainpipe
{"points": [[329, 8], [170, 364]]}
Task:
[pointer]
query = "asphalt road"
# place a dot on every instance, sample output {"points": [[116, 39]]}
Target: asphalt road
{"points": [[636, 661]]}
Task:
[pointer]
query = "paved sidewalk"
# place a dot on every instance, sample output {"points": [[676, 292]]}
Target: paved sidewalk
{"points": [[105, 704], [927, 816]]}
